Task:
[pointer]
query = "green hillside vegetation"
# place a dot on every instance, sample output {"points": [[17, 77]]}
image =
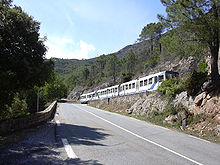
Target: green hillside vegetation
{"points": [[190, 28], [128, 63], [24, 71]]}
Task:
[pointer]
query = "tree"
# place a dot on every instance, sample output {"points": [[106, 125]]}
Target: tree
{"points": [[53, 90], [22, 51], [112, 67], [85, 73], [151, 31], [178, 44], [202, 19], [131, 61]]}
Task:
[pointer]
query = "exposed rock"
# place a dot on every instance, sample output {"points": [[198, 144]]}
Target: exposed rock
{"points": [[217, 118], [137, 107], [178, 64], [212, 107], [217, 130], [185, 100], [199, 99], [75, 93], [171, 119], [147, 104]]}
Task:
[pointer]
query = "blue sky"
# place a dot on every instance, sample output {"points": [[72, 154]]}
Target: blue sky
{"points": [[82, 29]]}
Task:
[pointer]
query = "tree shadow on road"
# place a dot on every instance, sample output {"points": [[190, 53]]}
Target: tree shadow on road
{"points": [[41, 147], [81, 135]]}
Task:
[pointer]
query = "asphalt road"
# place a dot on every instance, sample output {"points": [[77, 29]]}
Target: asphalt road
{"points": [[99, 137], [83, 135]]}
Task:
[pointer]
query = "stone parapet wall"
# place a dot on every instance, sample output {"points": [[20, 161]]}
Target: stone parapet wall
{"points": [[11, 125]]}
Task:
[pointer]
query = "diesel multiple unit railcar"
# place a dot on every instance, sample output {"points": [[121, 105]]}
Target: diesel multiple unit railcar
{"points": [[148, 83]]}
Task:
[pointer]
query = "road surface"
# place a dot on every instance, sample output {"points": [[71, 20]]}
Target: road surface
{"points": [[86, 135]]}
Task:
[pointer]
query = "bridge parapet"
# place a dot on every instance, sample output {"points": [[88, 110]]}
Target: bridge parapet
{"points": [[11, 125]]}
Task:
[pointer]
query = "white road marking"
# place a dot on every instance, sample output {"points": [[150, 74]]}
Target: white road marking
{"points": [[68, 149], [145, 139], [161, 127], [199, 138], [58, 122]]}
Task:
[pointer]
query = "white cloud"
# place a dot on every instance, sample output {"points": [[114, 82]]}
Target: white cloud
{"points": [[68, 49]]}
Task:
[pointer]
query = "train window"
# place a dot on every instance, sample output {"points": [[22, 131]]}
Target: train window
{"points": [[168, 76], [116, 89], [129, 86], [175, 75], [141, 83], [123, 87], [145, 82], [151, 81], [133, 85], [155, 79], [126, 86], [161, 78]]}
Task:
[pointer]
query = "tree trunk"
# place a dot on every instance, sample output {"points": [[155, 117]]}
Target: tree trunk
{"points": [[160, 48], [214, 48], [215, 77], [152, 46]]}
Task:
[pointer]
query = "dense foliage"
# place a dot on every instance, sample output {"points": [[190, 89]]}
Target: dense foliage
{"points": [[191, 83], [201, 18], [23, 66], [170, 87]]}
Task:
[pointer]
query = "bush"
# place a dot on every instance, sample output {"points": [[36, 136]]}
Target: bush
{"points": [[170, 87], [17, 108], [202, 67], [194, 119], [194, 82], [158, 117], [126, 77]]}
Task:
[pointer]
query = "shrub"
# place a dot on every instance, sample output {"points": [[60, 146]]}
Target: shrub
{"points": [[126, 77], [202, 66], [194, 82], [170, 87], [17, 108]]}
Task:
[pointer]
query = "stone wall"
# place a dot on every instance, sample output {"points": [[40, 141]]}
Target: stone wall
{"points": [[140, 103], [127, 99], [11, 125]]}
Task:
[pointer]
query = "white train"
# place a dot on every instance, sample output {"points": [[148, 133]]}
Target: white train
{"points": [[148, 83]]}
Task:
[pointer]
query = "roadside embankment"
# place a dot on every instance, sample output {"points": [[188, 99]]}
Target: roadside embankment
{"points": [[11, 125], [183, 111]]}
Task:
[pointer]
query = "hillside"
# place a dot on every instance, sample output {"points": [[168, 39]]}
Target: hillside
{"points": [[65, 67], [132, 61]]}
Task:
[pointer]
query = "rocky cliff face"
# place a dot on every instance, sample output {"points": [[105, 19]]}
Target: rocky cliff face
{"points": [[177, 64]]}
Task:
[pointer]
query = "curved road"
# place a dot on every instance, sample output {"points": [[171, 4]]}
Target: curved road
{"points": [[83, 135], [90, 134]]}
